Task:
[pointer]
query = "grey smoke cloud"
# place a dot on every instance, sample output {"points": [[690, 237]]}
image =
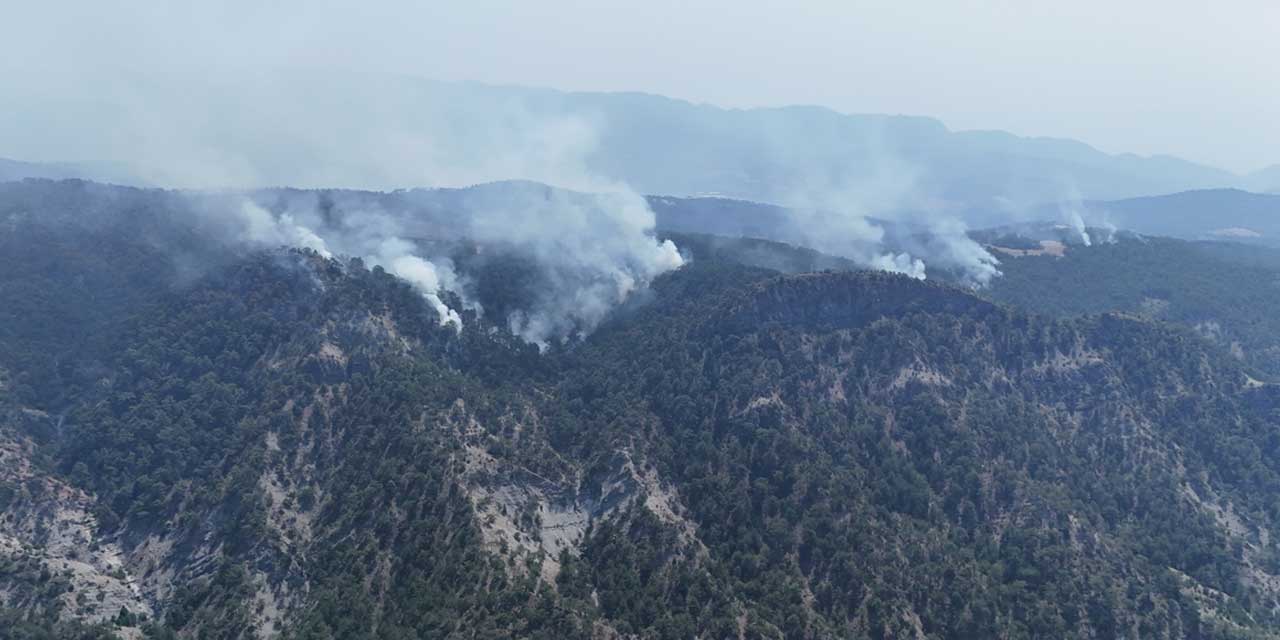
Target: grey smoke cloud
{"points": [[1086, 223], [387, 132], [262, 227], [593, 262], [591, 251], [834, 207], [364, 131], [372, 235], [236, 131], [302, 129]]}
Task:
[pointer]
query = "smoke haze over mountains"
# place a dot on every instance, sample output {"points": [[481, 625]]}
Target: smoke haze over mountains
{"points": [[1153, 78], [385, 132], [239, 97]]}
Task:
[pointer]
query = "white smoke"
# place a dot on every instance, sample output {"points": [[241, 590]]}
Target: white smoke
{"points": [[382, 132], [851, 235], [951, 248], [899, 263], [1079, 218], [426, 277], [834, 215], [1074, 219], [594, 250], [371, 237], [1106, 231], [260, 227], [592, 253], [589, 252], [376, 236]]}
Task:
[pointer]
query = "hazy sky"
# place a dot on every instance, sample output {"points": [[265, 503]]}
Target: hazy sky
{"points": [[1196, 79]]}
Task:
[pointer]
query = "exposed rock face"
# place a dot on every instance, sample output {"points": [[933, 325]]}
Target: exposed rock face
{"points": [[519, 510], [50, 540]]}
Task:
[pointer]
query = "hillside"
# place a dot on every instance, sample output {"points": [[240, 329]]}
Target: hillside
{"points": [[1210, 214], [1227, 293], [222, 441], [1223, 289]]}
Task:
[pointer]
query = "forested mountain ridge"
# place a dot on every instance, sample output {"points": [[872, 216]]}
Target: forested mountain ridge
{"points": [[269, 442], [1206, 214], [797, 386], [1227, 293]]}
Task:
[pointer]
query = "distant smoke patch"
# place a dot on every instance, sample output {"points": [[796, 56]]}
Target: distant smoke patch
{"points": [[1084, 225], [1235, 232], [849, 235], [839, 222], [1105, 232], [1074, 222]]}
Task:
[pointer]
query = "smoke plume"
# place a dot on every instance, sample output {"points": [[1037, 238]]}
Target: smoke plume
{"points": [[1085, 224], [586, 253], [589, 251], [594, 251], [361, 131], [1074, 219], [880, 220]]}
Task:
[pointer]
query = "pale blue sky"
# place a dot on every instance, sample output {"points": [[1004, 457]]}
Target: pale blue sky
{"points": [[1195, 79]]}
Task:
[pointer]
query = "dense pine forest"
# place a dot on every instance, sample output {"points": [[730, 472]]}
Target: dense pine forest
{"points": [[1227, 293], [201, 440]]}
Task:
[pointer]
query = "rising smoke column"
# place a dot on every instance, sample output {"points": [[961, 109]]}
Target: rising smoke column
{"points": [[429, 278], [593, 250], [381, 132], [1071, 216], [372, 236], [944, 244], [842, 206], [261, 227], [1073, 211], [590, 252], [849, 235], [950, 247]]}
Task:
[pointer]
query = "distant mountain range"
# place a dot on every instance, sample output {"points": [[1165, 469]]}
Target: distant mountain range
{"points": [[17, 170], [721, 166], [389, 132], [12, 170], [1210, 214]]}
